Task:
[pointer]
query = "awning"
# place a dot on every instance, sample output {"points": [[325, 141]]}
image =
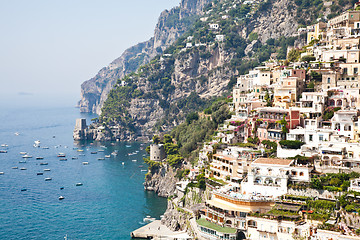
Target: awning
{"points": [[228, 206]]}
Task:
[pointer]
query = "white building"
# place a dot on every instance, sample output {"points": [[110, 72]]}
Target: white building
{"points": [[269, 176]]}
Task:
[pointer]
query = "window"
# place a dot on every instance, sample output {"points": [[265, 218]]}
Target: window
{"points": [[356, 70], [345, 71], [328, 80], [310, 137], [321, 137]]}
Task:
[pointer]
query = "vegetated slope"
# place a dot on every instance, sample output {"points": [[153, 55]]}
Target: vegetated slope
{"points": [[170, 26], [204, 63]]}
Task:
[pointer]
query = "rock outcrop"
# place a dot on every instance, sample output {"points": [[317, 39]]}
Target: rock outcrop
{"points": [[170, 26], [162, 181]]}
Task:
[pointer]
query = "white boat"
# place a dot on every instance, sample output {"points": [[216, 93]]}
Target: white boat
{"points": [[45, 147], [27, 156], [114, 153], [37, 143], [123, 163], [47, 170], [62, 159], [127, 146], [134, 160], [143, 170], [4, 145], [148, 219], [85, 163], [43, 163], [23, 153], [3, 151], [2, 173], [107, 156], [101, 150], [62, 155], [61, 198], [78, 184], [22, 168], [17, 134], [48, 179], [14, 167]]}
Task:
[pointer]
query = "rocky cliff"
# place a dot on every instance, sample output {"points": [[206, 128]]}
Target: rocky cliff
{"points": [[202, 63], [162, 181], [170, 26]]}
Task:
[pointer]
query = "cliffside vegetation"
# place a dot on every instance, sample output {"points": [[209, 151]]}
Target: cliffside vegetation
{"points": [[202, 65]]}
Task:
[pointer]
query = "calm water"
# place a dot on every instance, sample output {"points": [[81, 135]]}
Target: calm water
{"points": [[110, 204]]}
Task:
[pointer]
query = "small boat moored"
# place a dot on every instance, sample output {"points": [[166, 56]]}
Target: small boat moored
{"points": [[37, 143], [61, 155], [47, 170], [78, 184], [43, 163], [85, 163], [39, 173], [48, 179], [39, 158], [3, 151], [61, 198]]}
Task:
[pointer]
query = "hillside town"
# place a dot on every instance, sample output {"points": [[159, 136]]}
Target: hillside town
{"points": [[286, 164]]}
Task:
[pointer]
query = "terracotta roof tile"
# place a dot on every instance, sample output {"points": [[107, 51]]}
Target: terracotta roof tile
{"points": [[275, 161]]}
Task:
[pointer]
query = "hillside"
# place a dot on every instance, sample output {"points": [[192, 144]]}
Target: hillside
{"points": [[170, 26], [203, 63]]}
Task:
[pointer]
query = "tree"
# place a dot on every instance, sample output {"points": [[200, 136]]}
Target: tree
{"points": [[317, 77], [308, 58], [293, 55], [283, 124], [311, 85], [191, 117], [291, 144], [156, 139], [167, 138], [316, 183]]}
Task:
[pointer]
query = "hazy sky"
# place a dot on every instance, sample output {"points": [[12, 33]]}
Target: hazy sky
{"points": [[49, 47]]}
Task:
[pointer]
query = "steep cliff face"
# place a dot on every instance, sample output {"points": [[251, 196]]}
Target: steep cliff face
{"points": [[204, 62], [170, 26], [162, 181]]}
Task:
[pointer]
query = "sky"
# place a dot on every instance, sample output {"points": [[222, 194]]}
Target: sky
{"points": [[49, 47]]}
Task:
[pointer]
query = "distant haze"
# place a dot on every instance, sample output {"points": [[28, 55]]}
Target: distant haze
{"points": [[48, 48]]}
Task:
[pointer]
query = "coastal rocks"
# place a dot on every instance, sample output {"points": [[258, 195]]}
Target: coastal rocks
{"points": [[162, 181], [178, 217], [102, 134]]}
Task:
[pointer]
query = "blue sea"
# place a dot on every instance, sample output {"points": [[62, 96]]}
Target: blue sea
{"points": [[109, 205]]}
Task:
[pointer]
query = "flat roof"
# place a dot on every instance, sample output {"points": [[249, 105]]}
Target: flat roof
{"points": [[274, 161], [224, 157], [203, 222]]}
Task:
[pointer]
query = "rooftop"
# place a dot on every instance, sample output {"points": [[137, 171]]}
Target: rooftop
{"points": [[274, 161], [203, 222]]}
